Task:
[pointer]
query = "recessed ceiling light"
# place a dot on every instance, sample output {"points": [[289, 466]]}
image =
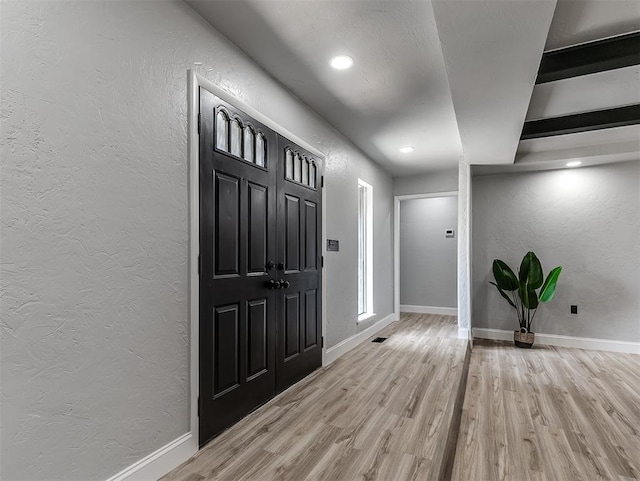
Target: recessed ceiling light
{"points": [[406, 149], [341, 62], [574, 163]]}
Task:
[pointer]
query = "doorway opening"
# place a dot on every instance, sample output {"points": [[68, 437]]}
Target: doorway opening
{"points": [[426, 253]]}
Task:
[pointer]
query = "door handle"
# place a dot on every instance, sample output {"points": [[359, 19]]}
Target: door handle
{"points": [[270, 265], [285, 284], [272, 284]]}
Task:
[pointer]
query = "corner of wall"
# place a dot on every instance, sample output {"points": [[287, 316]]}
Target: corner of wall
{"points": [[464, 244]]}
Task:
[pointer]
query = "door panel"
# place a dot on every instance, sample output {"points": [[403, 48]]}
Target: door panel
{"points": [[227, 224], [258, 218], [237, 240], [292, 234], [226, 348], [258, 345], [292, 325], [311, 226], [310, 318], [299, 227]]}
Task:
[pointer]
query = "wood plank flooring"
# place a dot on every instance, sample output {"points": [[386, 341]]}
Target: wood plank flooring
{"points": [[549, 414], [380, 412], [387, 412]]}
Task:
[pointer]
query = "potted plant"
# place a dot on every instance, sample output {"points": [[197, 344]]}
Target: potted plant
{"points": [[521, 292]]}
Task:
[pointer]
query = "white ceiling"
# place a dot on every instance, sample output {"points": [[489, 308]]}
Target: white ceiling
{"points": [[448, 77], [398, 92], [579, 21], [492, 50]]}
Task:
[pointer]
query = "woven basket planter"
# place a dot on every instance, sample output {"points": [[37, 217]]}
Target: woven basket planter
{"points": [[524, 339]]}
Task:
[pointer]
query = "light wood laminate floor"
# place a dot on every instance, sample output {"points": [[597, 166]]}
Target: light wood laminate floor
{"points": [[549, 414], [380, 412]]}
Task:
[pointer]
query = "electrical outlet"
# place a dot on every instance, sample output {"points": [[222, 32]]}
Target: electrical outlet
{"points": [[574, 309]]}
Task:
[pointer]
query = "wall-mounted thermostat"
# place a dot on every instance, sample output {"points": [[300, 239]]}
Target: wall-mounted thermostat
{"points": [[449, 233]]}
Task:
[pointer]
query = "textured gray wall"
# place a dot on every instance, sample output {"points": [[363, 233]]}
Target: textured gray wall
{"points": [[586, 220], [439, 181], [428, 259], [94, 312], [341, 267]]}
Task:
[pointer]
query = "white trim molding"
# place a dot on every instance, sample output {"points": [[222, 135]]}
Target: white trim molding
{"points": [[447, 311], [193, 105], [563, 341], [463, 333], [365, 209], [160, 462], [345, 346], [396, 240]]}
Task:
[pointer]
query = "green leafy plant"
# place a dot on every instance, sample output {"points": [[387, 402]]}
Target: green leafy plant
{"points": [[521, 291]]}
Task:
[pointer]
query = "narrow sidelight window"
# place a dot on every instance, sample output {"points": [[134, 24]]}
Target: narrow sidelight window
{"points": [[365, 250]]}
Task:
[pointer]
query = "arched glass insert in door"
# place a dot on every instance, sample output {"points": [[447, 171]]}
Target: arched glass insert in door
{"points": [[261, 150], [248, 144], [288, 164], [222, 131], [297, 167], [236, 138]]}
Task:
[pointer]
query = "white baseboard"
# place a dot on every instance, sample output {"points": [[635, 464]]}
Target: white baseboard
{"points": [[345, 346], [447, 311], [494, 334], [563, 341], [160, 462], [463, 333]]}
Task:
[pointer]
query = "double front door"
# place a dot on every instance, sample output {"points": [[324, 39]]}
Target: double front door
{"points": [[260, 264]]}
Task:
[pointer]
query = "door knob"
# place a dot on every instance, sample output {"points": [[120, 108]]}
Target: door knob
{"points": [[280, 266], [270, 265], [277, 284]]}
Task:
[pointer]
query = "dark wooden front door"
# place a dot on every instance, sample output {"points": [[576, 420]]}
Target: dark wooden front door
{"points": [[260, 304], [299, 225]]}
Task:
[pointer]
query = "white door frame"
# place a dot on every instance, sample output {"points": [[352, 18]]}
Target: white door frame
{"points": [[193, 107], [396, 239]]}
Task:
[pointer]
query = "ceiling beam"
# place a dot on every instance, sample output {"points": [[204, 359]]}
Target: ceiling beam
{"points": [[583, 122], [599, 56]]}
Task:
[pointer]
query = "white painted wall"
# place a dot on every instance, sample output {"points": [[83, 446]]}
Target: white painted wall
{"points": [[94, 312], [428, 259], [586, 220], [465, 189], [437, 181], [340, 267]]}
